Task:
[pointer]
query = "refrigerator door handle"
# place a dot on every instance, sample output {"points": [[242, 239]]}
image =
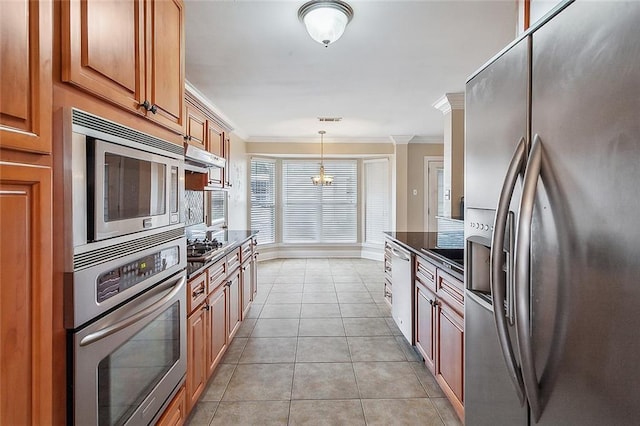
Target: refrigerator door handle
{"points": [[522, 274], [496, 277]]}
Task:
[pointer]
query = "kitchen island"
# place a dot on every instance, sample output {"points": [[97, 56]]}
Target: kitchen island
{"points": [[431, 297]]}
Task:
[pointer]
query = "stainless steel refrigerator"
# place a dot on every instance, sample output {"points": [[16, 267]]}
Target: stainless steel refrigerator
{"points": [[552, 188]]}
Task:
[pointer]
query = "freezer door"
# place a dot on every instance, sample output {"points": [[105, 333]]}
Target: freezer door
{"points": [[495, 120], [490, 398], [585, 237]]}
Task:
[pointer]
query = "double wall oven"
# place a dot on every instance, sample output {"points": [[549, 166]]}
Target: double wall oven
{"points": [[125, 260]]}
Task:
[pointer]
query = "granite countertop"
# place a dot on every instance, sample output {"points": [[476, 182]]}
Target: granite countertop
{"points": [[231, 240], [423, 244]]}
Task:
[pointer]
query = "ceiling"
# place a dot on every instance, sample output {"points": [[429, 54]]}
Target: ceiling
{"points": [[255, 62]]}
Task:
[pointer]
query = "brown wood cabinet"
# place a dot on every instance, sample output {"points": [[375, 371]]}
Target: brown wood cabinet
{"points": [[449, 367], [196, 354], [176, 412], [234, 303], [204, 131], [130, 53], [439, 319], [226, 173], [26, 293], [26, 79], [196, 131], [425, 324], [215, 312], [217, 328]]}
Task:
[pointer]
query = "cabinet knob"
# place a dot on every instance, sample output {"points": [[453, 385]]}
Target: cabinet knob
{"points": [[146, 105], [154, 108], [206, 307], [228, 284]]}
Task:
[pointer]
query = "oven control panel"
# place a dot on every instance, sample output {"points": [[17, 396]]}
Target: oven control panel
{"points": [[128, 275]]}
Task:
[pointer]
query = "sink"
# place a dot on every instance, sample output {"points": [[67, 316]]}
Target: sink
{"points": [[452, 255]]}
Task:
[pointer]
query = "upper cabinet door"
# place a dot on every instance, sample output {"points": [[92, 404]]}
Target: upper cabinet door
{"points": [[165, 67], [103, 49], [25, 86]]}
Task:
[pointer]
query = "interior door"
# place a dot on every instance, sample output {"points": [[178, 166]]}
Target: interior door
{"points": [[585, 233], [435, 192]]}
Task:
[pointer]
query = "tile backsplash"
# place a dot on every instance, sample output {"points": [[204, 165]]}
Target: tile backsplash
{"points": [[193, 207]]}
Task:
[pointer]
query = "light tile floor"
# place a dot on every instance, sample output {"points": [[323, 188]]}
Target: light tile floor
{"points": [[319, 347]]}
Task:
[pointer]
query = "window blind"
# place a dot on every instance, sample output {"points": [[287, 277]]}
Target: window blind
{"points": [[376, 200], [319, 214], [263, 199]]}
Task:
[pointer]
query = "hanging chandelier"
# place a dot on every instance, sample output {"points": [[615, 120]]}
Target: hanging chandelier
{"points": [[322, 179], [325, 20]]}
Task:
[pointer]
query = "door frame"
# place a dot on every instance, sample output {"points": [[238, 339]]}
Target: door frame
{"points": [[428, 159]]}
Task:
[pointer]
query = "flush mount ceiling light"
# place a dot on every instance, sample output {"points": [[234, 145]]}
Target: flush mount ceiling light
{"points": [[322, 179], [325, 19]]}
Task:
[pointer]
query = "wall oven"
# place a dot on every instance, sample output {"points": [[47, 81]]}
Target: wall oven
{"points": [[128, 364], [123, 181], [125, 279]]}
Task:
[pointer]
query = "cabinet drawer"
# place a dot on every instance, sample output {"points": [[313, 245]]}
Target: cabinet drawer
{"points": [[197, 291], [233, 260], [426, 273], [217, 274], [451, 291], [245, 251], [388, 292]]}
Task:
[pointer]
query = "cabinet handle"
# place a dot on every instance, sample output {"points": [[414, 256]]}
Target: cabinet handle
{"points": [[198, 292], [387, 268], [228, 284], [146, 105], [206, 307]]}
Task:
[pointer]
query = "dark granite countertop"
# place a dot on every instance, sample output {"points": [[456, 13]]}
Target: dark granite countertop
{"points": [[423, 244], [231, 240]]}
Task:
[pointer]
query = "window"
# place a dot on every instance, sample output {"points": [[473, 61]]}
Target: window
{"points": [[319, 214], [218, 214], [376, 200], [263, 199]]}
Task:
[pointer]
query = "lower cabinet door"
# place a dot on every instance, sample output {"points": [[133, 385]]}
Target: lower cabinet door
{"points": [[247, 294], [176, 412], [234, 300], [425, 324], [450, 359], [27, 390], [196, 354], [217, 328]]}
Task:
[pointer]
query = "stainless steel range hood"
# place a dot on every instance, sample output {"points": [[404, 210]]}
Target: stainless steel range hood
{"points": [[199, 160]]}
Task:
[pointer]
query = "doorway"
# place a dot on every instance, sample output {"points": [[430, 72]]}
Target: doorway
{"points": [[434, 194]]}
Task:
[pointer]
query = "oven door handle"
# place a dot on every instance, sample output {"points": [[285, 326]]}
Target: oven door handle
{"points": [[496, 277], [149, 310]]}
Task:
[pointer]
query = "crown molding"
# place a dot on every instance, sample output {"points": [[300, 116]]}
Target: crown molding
{"points": [[315, 139], [450, 101], [427, 140], [218, 116], [401, 139]]}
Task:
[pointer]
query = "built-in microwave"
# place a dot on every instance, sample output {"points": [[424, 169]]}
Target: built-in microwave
{"points": [[123, 181]]}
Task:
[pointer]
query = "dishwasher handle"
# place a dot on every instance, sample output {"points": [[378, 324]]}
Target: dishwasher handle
{"points": [[399, 254]]}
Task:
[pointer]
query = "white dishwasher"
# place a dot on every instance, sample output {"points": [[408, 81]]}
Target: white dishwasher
{"points": [[401, 301]]}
